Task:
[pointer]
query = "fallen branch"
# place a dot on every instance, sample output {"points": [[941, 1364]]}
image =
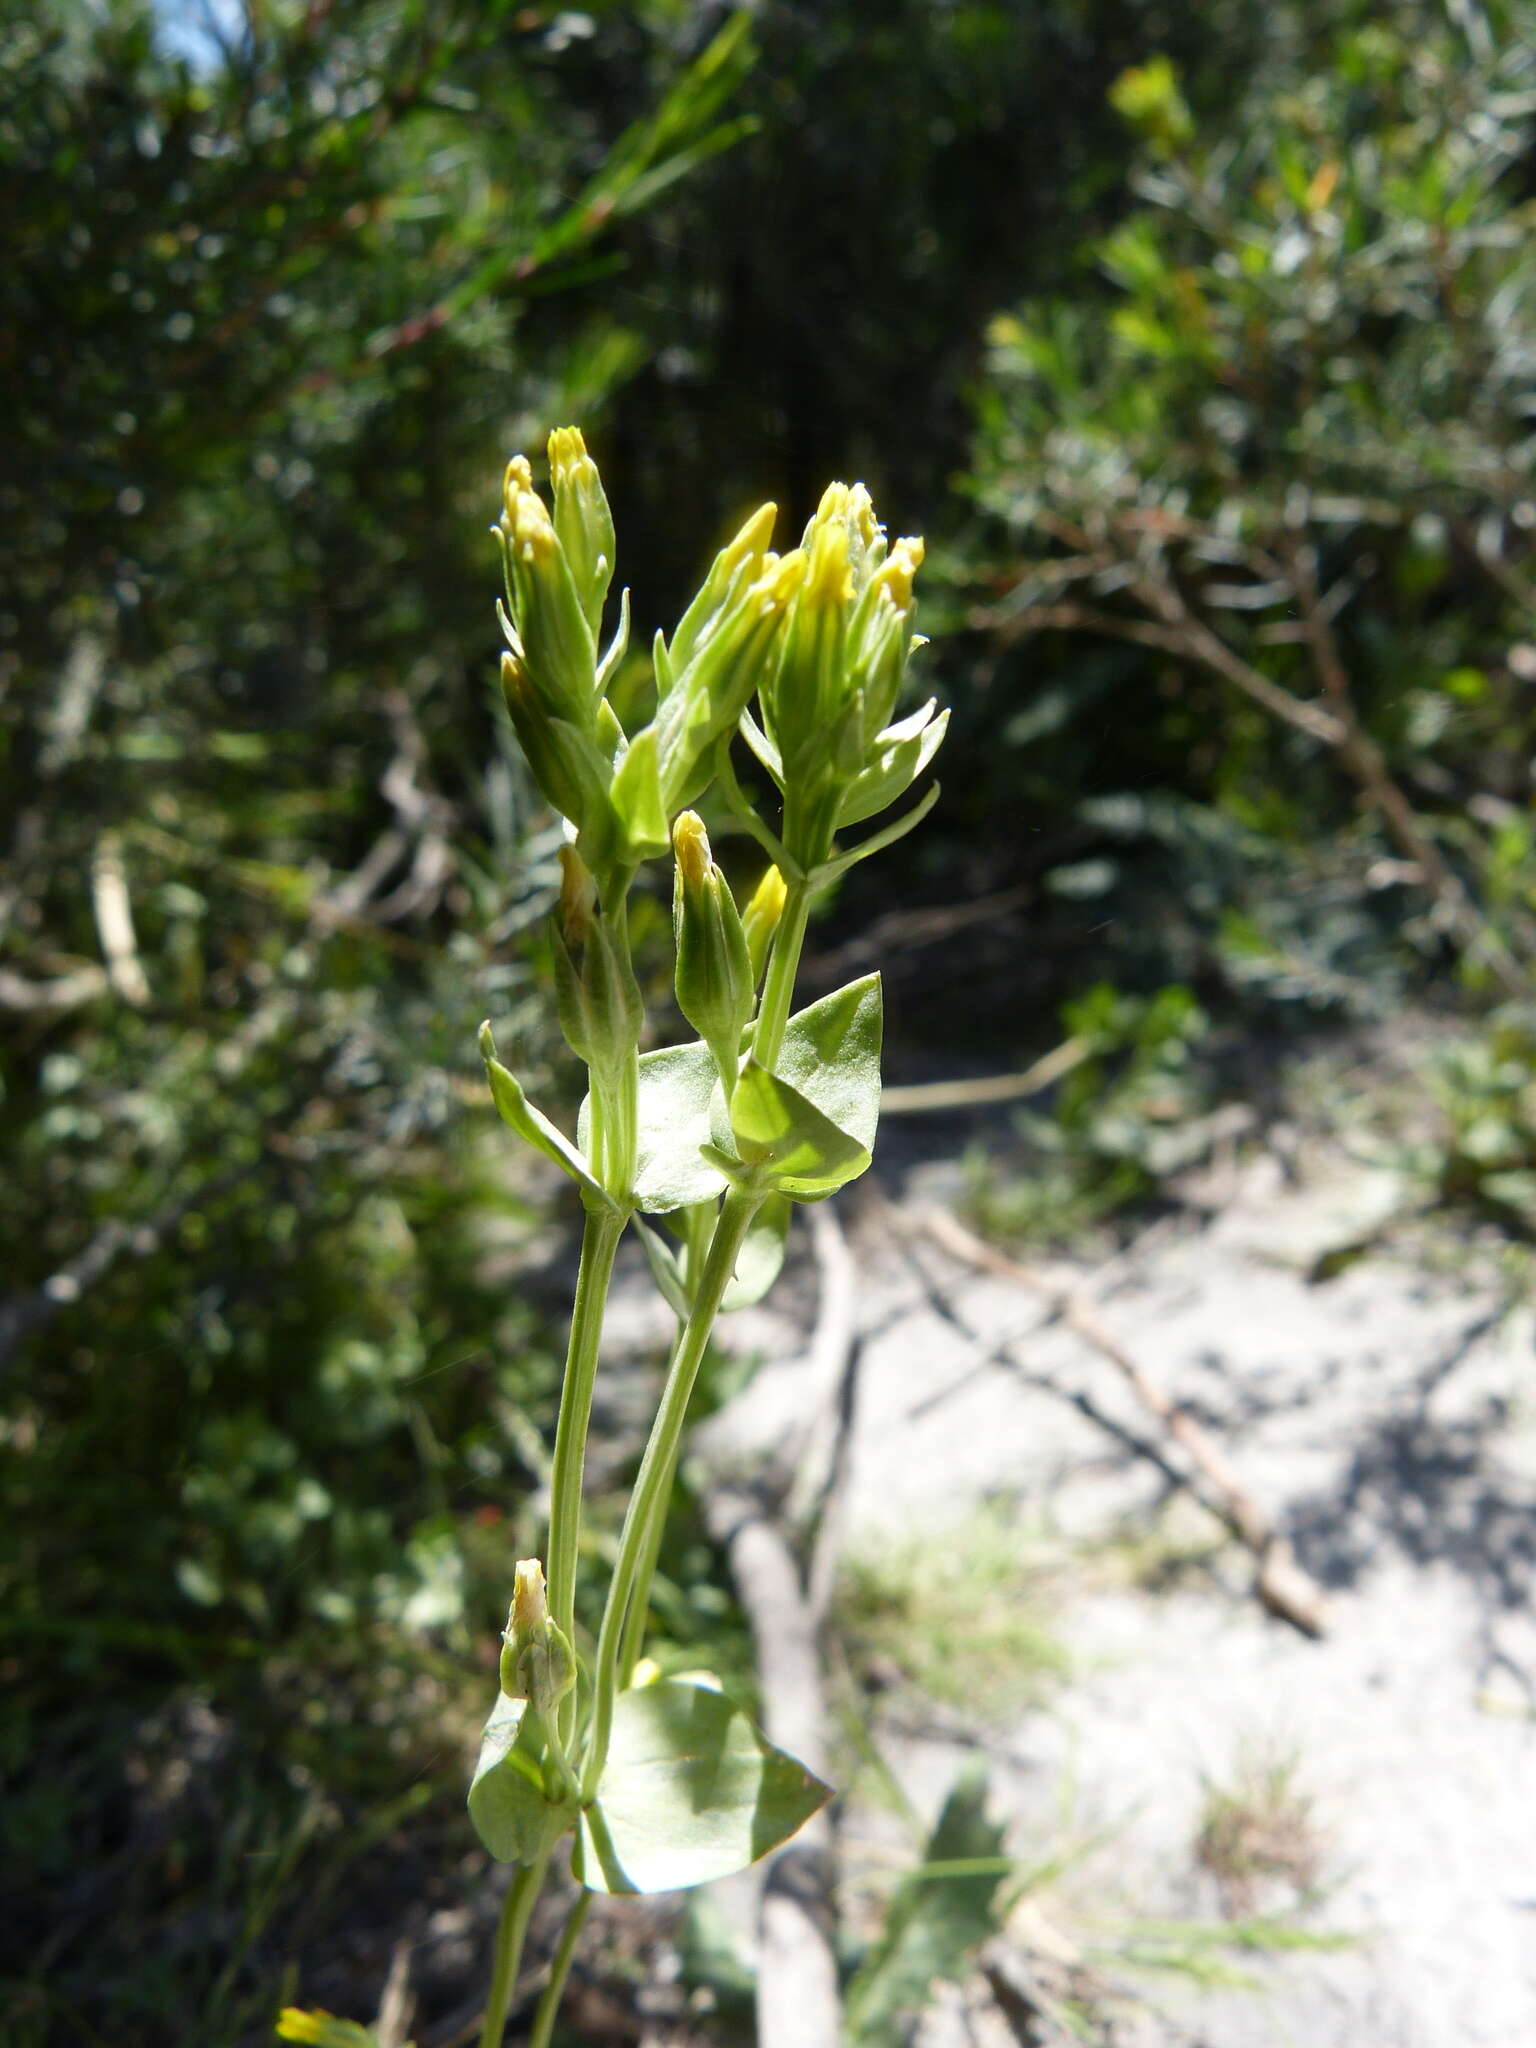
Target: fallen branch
{"points": [[922, 1097], [798, 2003], [1282, 1585]]}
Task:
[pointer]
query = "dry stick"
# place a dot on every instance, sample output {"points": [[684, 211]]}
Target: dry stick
{"points": [[798, 2005], [1284, 1588], [922, 1097]]}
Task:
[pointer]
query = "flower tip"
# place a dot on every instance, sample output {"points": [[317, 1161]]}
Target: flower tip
{"points": [[530, 1607], [567, 447], [829, 573], [690, 842]]}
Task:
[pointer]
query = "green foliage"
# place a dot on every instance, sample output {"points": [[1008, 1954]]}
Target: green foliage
{"points": [[1127, 1115], [1281, 457], [1485, 1088]]}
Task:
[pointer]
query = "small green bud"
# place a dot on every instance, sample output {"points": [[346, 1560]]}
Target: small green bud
{"points": [[549, 622], [578, 898], [537, 1664], [564, 758], [736, 654], [583, 521], [715, 982], [737, 565], [760, 919]]}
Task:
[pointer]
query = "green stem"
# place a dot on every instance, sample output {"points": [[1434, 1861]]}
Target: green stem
{"points": [[559, 1970], [511, 1931], [645, 1575], [599, 1244], [779, 982], [648, 1502]]}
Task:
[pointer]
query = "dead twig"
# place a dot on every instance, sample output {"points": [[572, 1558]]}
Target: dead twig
{"points": [[924, 1097], [798, 2003]]}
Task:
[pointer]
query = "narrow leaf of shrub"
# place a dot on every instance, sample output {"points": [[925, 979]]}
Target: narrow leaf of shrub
{"points": [[937, 1920]]}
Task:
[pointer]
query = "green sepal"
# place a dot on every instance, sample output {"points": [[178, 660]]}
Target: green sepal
{"points": [[839, 864], [673, 1123], [761, 1257], [509, 1801], [635, 794], [533, 1126], [767, 753], [903, 751], [567, 765], [782, 1133], [618, 646], [691, 1791]]}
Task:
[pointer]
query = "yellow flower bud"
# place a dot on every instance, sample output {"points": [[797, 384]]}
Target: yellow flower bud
{"points": [[690, 842], [760, 919], [536, 1660], [714, 978], [548, 617], [829, 575], [582, 520], [896, 573]]}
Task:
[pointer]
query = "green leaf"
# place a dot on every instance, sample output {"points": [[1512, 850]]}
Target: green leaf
{"points": [[665, 1270], [777, 1127], [939, 1917], [675, 1089], [761, 1256], [691, 1791], [512, 1812], [636, 799], [531, 1124], [831, 1054]]}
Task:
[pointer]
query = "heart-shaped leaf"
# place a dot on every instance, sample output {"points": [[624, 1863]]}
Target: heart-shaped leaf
{"points": [[777, 1127], [675, 1087], [513, 1814], [831, 1054], [692, 1790]]}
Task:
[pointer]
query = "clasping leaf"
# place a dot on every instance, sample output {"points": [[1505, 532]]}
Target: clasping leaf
{"points": [[692, 1790]]}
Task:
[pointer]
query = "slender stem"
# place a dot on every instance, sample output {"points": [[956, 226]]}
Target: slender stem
{"points": [[599, 1244], [779, 982], [649, 1499], [559, 1970], [511, 1931], [645, 1575]]}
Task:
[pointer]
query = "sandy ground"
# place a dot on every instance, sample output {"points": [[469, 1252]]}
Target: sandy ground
{"points": [[1387, 1420]]}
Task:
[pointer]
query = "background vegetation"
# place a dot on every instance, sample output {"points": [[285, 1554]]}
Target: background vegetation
{"points": [[1201, 343]]}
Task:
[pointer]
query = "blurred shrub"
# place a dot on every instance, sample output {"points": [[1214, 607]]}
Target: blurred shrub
{"points": [[1126, 1116], [275, 1375], [1271, 470]]}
